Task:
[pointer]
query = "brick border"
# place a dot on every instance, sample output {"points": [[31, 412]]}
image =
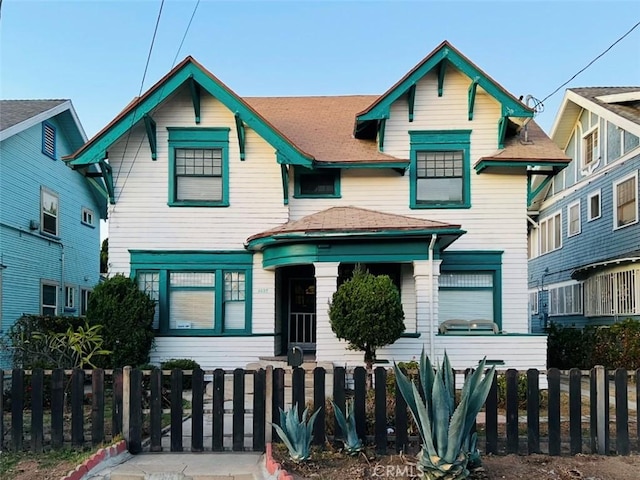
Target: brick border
{"points": [[274, 467], [95, 460]]}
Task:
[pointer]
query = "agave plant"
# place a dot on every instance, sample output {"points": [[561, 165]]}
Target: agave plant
{"points": [[352, 444], [295, 432], [444, 428]]}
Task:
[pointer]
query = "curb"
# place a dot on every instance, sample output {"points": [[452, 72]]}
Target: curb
{"points": [[95, 461], [273, 467]]}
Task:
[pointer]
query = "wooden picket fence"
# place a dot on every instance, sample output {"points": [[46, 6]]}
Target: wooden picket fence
{"points": [[233, 410]]}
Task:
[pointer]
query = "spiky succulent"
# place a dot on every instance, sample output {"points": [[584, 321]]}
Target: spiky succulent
{"points": [[444, 428], [296, 432], [352, 443]]}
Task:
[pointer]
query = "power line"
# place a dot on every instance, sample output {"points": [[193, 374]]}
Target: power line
{"points": [[144, 75], [591, 62], [160, 96]]}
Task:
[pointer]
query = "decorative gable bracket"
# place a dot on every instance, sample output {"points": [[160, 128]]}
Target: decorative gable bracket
{"points": [[532, 192], [150, 126], [241, 135], [194, 88], [107, 175], [472, 96]]}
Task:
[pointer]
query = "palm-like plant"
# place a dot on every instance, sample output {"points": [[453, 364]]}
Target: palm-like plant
{"points": [[444, 428], [352, 444], [296, 432]]}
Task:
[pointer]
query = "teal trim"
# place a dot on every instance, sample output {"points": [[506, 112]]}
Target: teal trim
{"points": [[107, 174], [478, 261], [299, 172], [440, 140], [442, 69], [241, 135], [502, 130], [150, 127], [161, 91], [501, 334], [381, 126], [354, 165], [456, 59], [284, 172], [555, 166], [198, 137], [411, 100], [471, 94], [207, 333], [194, 89], [532, 194], [219, 262]]}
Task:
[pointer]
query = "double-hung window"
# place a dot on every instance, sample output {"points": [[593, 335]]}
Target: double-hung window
{"points": [[69, 298], [625, 206], [590, 152], [49, 211], [551, 233], [440, 166], [48, 298], [199, 167], [85, 294], [197, 294], [594, 206], [573, 219]]}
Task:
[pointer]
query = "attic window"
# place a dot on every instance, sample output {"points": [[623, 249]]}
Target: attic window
{"points": [[591, 152], [49, 140], [317, 184]]}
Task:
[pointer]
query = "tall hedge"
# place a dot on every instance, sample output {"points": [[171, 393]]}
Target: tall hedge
{"points": [[366, 311], [127, 316]]}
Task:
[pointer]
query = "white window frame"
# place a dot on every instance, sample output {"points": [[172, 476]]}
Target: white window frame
{"points": [[87, 217], [595, 152], [590, 216], [534, 302], [549, 220], [70, 297], [48, 283], [44, 190], [577, 306], [634, 176], [570, 218]]}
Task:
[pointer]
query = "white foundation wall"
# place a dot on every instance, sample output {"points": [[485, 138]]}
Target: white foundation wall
{"points": [[141, 218]]}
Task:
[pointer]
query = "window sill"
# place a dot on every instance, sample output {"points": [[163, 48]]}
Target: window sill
{"points": [[70, 309], [208, 333], [87, 224], [198, 204], [317, 196], [49, 235], [435, 206], [625, 226]]}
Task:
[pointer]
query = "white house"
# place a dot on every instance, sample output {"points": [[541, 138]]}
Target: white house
{"points": [[242, 215]]}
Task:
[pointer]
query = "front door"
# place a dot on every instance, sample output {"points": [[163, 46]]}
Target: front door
{"points": [[302, 313]]}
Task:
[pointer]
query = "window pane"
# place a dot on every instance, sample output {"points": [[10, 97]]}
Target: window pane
{"points": [[191, 309], [462, 280], [439, 190], [595, 206], [558, 231], [234, 285], [199, 188], [626, 202], [192, 279], [234, 316], [465, 305], [49, 295], [317, 183], [149, 282]]}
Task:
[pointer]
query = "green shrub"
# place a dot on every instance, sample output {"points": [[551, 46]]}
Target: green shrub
{"points": [[522, 392], [618, 346], [127, 316], [570, 347], [180, 364], [366, 311]]}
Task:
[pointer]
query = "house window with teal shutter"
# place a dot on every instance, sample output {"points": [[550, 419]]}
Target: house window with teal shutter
{"points": [[316, 183], [199, 167], [49, 140], [440, 169]]}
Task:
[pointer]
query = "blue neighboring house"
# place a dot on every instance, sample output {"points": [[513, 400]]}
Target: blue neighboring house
{"points": [[584, 222], [49, 213]]}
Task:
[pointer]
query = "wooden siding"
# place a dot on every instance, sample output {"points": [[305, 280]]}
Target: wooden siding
{"points": [[74, 258], [142, 213]]}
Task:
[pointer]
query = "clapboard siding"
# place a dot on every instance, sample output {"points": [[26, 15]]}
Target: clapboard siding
{"points": [[72, 259], [142, 213]]}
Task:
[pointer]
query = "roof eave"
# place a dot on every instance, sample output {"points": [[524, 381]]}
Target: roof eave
{"points": [[42, 116]]}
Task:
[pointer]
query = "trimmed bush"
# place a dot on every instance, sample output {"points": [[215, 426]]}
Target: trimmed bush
{"points": [[127, 316], [180, 364], [366, 311]]}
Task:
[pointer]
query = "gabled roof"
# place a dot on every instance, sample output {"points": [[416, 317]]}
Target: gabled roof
{"points": [[322, 126], [18, 115], [619, 105], [354, 220], [189, 69]]}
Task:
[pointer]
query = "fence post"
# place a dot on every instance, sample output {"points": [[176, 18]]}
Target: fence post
{"points": [[17, 408], [319, 404], [622, 412], [602, 397], [268, 406], [126, 403], [1, 407]]}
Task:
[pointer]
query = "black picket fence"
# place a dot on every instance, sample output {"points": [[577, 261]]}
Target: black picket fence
{"points": [[233, 410]]}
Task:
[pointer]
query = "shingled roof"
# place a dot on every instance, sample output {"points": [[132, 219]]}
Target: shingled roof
{"points": [[13, 112], [628, 110], [353, 220]]}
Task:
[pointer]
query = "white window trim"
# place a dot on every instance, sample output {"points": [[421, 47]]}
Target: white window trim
{"points": [[84, 292], [588, 167], [615, 201], [580, 303], [547, 219], [53, 194], [534, 305], [88, 211], [50, 283], [569, 234], [598, 192], [73, 305]]}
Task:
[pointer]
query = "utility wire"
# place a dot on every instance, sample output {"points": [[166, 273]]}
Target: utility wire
{"points": [[144, 75], [591, 62], [186, 31]]}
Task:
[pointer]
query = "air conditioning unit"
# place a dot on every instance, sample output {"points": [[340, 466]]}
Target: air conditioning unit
{"points": [[34, 225]]}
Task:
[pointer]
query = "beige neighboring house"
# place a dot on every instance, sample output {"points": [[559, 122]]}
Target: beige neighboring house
{"points": [[241, 216]]}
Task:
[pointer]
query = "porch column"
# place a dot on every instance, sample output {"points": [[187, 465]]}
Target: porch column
{"points": [[326, 285], [427, 301]]}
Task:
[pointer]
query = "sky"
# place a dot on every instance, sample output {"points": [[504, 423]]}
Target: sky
{"points": [[94, 52]]}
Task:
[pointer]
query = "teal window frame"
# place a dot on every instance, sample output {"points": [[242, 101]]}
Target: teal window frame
{"points": [[218, 263], [302, 171], [211, 138], [440, 141], [487, 262]]}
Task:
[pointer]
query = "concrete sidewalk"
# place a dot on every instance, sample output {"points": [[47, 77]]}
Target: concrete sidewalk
{"points": [[188, 466]]}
